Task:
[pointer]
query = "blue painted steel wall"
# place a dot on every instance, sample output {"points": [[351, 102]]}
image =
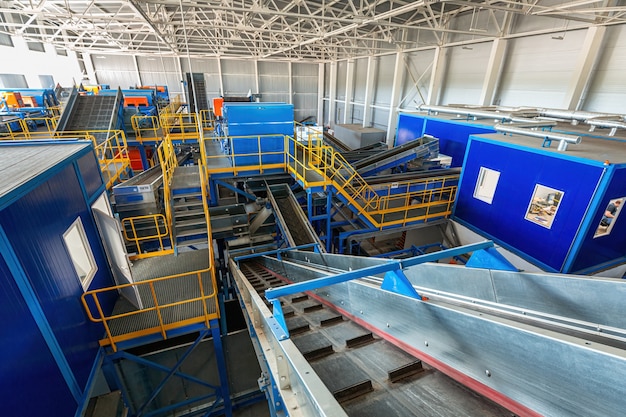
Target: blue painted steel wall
{"points": [[410, 127], [259, 118], [90, 174], [520, 170], [452, 134], [251, 119], [30, 381], [610, 248], [34, 225]]}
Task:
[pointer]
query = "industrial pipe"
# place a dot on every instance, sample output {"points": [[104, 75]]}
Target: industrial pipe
{"points": [[577, 115], [563, 138], [495, 115], [612, 124]]}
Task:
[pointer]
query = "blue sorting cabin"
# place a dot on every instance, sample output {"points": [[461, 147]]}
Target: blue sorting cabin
{"points": [[244, 120], [453, 133], [547, 205], [48, 344]]}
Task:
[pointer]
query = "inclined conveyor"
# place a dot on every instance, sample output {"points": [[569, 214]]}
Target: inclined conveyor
{"points": [[99, 114], [296, 227], [335, 143], [424, 147], [536, 344]]}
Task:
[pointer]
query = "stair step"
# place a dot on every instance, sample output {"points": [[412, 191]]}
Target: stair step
{"points": [[201, 221], [187, 213], [191, 232], [185, 204], [191, 242], [193, 194]]}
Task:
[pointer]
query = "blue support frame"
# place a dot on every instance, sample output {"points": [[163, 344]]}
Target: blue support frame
{"points": [[249, 196], [395, 280], [277, 252], [221, 393]]}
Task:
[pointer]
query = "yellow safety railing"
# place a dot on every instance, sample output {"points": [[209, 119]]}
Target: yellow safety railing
{"points": [[148, 229], [146, 128], [29, 128], [207, 121], [174, 106], [245, 160], [205, 206], [111, 153], [168, 161], [381, 207], [180, 126], [158, 301]]}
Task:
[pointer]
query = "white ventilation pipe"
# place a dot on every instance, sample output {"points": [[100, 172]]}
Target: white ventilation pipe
{"points": [[563, 138]]}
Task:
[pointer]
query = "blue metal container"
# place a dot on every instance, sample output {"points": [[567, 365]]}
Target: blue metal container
{"points": [[246, 121], [49, 340]]}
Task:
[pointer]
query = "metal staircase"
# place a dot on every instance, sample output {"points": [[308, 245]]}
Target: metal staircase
{"points": [[189, 224], [379, 208]]}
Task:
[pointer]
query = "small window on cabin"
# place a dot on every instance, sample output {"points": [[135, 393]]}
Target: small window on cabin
{"points": [[80, 253], [609, 217], [543, 205], [486, 184]]}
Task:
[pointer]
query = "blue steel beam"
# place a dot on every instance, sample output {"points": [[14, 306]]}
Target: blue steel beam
{"points": [[274, 293], [274, 252], [171, 373], [249, 196]]}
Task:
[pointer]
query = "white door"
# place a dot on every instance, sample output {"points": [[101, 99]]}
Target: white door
{"points": [[116, 253]]}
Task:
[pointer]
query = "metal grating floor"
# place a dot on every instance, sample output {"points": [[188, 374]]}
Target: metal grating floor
{"points": [[183, 288]]}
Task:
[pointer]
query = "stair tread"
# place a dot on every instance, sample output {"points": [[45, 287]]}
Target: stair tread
{"points": [[190, 242], [193, 232], [191, 222]]}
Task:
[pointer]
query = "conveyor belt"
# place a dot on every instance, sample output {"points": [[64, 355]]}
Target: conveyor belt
{"points": [[298, 229], [336, 143], [364, 152], [424, 147], [92, 113], [367, 375], [410, 176]]}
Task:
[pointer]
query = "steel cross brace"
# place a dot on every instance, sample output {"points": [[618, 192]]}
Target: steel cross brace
{"points": [[395, 280], [277, 252]]}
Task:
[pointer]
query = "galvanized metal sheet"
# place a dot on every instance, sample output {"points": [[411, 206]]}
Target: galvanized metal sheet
{"points": [[20, 164]]}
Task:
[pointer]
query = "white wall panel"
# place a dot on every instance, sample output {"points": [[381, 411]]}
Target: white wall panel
{"points": [[157, 64], [206, 66], [538, 70], [418, 69], [360, 79], [384, 80], [342, 70], [380, 118], [327, 69], [304, 84], [115, 79], [238, 77], [274, 81], [113, 62], [466, 69], [607, 92]]}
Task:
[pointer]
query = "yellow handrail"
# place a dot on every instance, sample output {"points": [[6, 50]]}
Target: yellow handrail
{"points": [[168, 161], [159, 305], [173, 107], [146, 127], [180, 126], [159, 222]]}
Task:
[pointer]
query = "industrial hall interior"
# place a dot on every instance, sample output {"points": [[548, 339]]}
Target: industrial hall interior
{"points": [[312, 208]]}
